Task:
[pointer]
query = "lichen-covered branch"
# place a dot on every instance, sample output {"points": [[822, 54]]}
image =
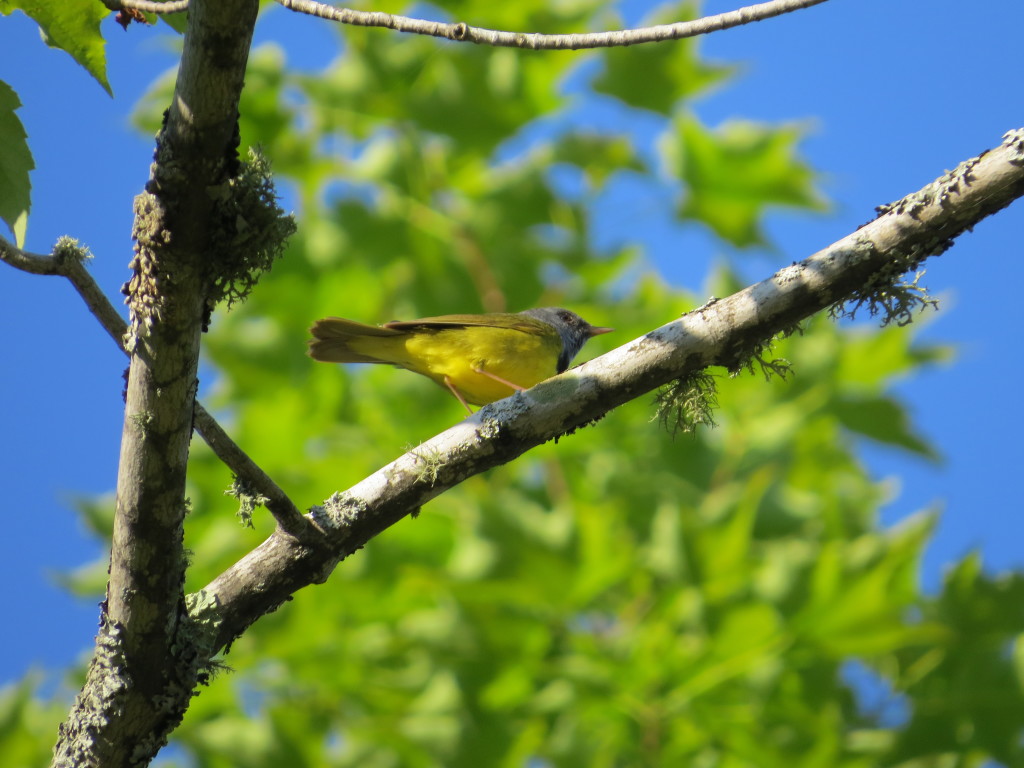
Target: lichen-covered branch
{"points": [[149, 658], [726, 332]]}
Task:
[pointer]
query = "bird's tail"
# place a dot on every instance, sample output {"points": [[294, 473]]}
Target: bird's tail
{"points": [[337, 340]]}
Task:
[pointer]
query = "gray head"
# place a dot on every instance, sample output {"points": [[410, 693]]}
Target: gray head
{"points": [[573, 329]]}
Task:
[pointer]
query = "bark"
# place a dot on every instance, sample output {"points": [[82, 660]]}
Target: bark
{"points": [[148, 660]]}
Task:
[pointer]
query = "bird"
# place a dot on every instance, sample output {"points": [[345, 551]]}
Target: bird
{"points": [[478, 358]]}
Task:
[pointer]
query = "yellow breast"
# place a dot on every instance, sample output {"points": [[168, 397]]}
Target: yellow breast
{"points": [[521, 358]]}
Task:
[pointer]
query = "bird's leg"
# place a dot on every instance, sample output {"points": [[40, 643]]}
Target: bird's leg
{"points": [[498, 379], [458, 395]]}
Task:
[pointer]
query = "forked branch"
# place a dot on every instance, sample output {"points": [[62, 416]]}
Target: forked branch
{"points": [[67, 260]]}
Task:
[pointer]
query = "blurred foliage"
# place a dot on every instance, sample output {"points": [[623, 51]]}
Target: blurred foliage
{"points": [[732, 173], [665, 73], [619, 598]]}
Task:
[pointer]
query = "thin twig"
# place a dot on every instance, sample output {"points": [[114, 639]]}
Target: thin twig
{"points": [[530, 40], [227, 450], [34, 263], [533, 41]]}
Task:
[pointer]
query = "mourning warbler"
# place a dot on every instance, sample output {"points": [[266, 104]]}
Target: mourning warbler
{"points": [[479, 358]]}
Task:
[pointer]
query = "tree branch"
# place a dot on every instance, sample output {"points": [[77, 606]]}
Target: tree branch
{"points": [[287, 515], [533, 41], [148, 657], [864, 266], [67, 260], [462, 32]]}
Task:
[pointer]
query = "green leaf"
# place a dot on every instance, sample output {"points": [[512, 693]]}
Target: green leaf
{"points": [[873, 357], [71, 25], [733, 174], [15, 164], [882, 419], [176, 21], [657, 76], [598, 156]]}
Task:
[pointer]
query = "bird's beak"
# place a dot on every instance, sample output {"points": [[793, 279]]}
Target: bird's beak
{"points": [[598, 331]]}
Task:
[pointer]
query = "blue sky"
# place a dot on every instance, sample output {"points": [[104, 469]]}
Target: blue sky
{"points": [[894, 91]]}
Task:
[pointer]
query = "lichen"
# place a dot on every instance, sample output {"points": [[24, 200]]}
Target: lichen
{"points": [[429, 462], [686, 403], [143, 421], [248, 499], [897, 301], [339, 511], [250, 233], [777, 366], [101, 699], [68, 249], [1015, 140], [195, 641]]}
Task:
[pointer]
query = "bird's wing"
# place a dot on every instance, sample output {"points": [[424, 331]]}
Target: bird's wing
{"points": [[507, 320], [339, 327]]}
